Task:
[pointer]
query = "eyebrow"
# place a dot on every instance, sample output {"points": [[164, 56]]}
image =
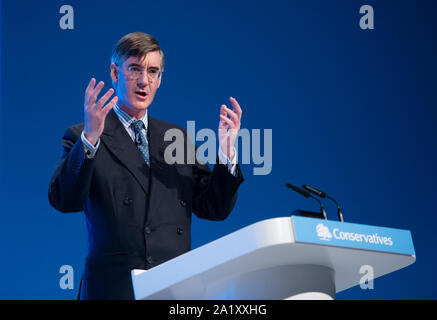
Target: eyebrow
{"points": [[133, 64]]}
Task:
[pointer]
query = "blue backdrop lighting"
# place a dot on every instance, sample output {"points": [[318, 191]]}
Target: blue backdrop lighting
{"points": [[352, 111]]}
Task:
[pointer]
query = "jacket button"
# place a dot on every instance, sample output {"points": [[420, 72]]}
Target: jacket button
{"points": [[183, 203], [149, 259], [179, 231], [127, 202], [147, 230]]}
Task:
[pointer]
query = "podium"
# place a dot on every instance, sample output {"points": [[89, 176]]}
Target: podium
{"points": [[280, 258]]}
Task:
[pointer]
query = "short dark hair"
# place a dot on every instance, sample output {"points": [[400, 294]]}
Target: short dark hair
{"points": [[135, 44]]}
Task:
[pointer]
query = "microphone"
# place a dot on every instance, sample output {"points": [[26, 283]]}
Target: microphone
{"points": [[306, 194], [322, 194]]}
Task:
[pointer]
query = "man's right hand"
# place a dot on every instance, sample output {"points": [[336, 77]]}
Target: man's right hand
{"points": [[95, 111]]}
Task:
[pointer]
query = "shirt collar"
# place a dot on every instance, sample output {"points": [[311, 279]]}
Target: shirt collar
{"points": [[126, 119]]}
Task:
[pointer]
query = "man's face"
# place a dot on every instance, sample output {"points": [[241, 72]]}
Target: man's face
{"points": [[136, 82]]}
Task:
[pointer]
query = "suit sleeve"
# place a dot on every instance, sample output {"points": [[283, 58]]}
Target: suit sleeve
{"points": [[215, 192], [71, 181]]}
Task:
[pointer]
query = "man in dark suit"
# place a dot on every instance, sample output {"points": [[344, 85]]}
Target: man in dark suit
{"points": [[114, 167]]}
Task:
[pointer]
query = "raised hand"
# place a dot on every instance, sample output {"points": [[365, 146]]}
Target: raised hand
{"points": [[229, 127], [95, 112]]}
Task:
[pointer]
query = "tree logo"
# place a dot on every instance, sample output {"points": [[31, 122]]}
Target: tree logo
{"points": [[323, 232]]}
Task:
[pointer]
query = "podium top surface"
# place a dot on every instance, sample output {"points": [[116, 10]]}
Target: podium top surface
{"points": [[343, 247]]}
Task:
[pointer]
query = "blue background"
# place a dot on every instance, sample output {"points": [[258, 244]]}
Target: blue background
{"points": [[352, 112]]}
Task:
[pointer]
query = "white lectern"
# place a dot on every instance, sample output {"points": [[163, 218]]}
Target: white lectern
{"points": [[280, 258]]}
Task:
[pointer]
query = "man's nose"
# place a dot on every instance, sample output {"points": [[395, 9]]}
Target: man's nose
{"points": [[143, 80]]}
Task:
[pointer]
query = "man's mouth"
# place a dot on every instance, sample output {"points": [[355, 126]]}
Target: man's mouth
{"points": [[141, 94]]}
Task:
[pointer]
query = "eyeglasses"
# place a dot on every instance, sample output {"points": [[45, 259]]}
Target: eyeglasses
{"points": [[135, 72]]}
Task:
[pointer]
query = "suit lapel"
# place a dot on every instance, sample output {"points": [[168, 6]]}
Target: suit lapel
{"points": [[120, 144], [159, 169], [155, 137]]}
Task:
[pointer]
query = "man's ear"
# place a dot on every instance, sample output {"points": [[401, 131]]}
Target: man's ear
{"points": [[114, 74]]}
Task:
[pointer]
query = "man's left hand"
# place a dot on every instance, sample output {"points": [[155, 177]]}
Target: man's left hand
{"points": [[229, 127]]}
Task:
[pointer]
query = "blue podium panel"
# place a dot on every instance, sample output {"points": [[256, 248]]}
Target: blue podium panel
{"points": [[351, 235]]}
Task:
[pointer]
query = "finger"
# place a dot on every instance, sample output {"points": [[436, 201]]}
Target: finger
{"points": [[110, 105], [96, 92], [233, 115], [105, 98], [236, 107], [89, 89], [222, 109], [227, 121], [223, 125], [223, 113]]}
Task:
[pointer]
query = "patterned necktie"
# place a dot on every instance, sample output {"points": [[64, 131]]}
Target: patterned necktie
{"points": [[141, 140]]}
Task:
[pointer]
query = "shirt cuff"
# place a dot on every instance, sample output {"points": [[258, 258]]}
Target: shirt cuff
{"points": [[232, 164], [90, 150]]}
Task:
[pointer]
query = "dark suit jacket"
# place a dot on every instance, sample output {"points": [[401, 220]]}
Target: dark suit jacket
{"points": [[136, 216]]}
